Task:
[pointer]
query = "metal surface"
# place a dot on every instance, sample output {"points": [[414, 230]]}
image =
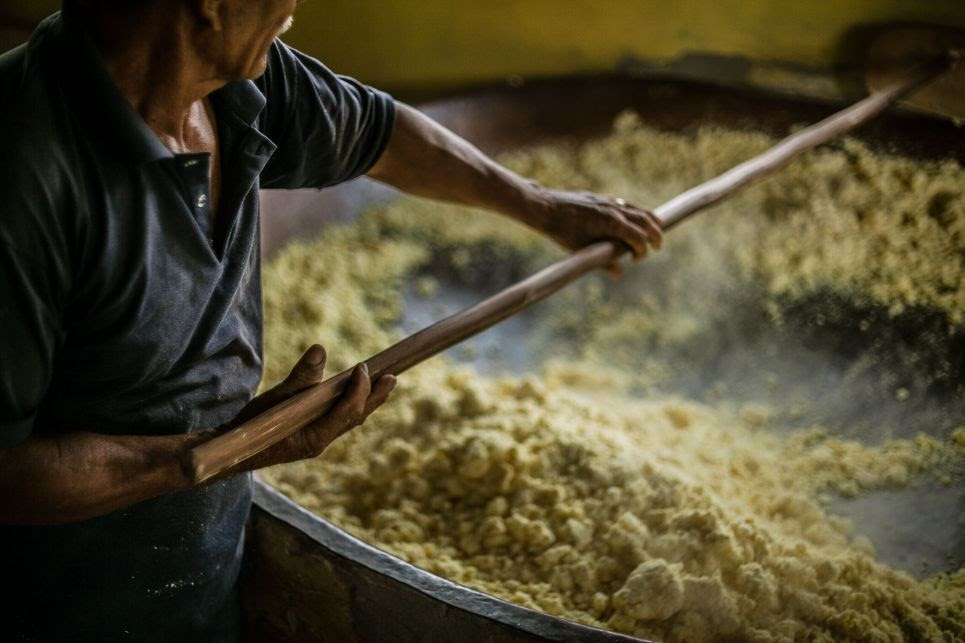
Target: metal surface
{"points": [[896, 51], [817, 354], [307, 580]]}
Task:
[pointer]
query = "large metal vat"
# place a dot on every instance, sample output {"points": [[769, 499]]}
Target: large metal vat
{"points": [[308, 580]]}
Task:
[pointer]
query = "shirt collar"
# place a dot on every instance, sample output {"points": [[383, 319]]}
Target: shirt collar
{"points": [[241, 98]]}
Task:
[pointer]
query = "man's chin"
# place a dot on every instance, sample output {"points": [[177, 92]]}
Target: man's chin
{"points": [[285, 27], [257, 69]]}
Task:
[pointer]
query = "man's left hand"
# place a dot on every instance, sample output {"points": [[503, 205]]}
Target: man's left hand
{"points": [[577, 219]]}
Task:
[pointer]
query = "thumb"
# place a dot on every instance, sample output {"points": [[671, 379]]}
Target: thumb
{"points": [[309, 370], [306, 372]]}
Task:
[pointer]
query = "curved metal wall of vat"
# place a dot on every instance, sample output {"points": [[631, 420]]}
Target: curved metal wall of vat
{"points": [[307, 580]]}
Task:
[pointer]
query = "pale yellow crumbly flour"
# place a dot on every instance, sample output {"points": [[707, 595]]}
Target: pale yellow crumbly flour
{"points": [[659, 517]]}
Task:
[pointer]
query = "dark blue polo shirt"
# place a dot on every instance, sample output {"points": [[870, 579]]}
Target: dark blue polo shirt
{"points": [[126, 308]]}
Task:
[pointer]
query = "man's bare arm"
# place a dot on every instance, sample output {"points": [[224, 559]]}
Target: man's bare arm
{"points": [[59, 478], [426, 159], [71, 476]]}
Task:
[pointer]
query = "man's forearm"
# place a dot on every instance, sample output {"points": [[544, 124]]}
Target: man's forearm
{"points": [[426, 159], [72, 476]]}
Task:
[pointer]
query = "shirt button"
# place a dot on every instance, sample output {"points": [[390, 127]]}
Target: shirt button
{"points": [[202, 200]]}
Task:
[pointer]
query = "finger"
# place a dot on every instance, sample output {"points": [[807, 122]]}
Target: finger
{"points": [[614, 268], [344, 415], [632, 235], [649, 223], [380, 393], [351, 405], [626, 229], [309, 370]]}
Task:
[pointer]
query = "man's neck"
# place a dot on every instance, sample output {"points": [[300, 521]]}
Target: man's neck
{"points": [[154, 62]]}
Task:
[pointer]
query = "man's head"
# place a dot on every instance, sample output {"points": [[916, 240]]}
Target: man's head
{"points": [[231, 36]]}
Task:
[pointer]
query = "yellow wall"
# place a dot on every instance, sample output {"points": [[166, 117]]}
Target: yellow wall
{"points": [[441, 43]]}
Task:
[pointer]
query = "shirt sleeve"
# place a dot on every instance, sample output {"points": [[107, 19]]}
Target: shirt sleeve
{"points": [[327, 128], [34, 280]]}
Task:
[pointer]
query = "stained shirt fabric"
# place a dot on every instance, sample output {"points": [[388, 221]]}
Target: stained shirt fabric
{"points": [[126, 308]]}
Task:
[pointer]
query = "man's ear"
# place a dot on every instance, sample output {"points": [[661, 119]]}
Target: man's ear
{"points": [[211, 12]]}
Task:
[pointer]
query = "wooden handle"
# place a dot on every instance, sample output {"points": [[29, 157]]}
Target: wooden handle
{"points": [[275, 424], [280, 421]]}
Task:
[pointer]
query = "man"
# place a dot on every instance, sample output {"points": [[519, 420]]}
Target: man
{"points": [[137, 134]]}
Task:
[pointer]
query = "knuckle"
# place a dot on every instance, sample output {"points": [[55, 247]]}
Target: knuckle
{"points": [[358, 409], [352, 411], [355, 417], [637, 236], [290, 379], [310, 444]]}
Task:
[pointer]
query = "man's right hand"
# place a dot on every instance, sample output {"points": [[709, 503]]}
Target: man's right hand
{"points": [[360, 399]]}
